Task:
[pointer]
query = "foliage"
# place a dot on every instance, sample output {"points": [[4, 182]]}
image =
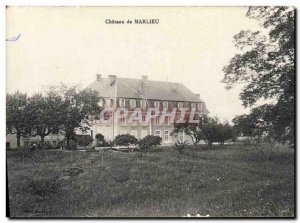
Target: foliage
{"points": [[100, 140], [17, 121], [125, 140], [76, 108], [191, 129], [74, 171], [180, 146], [149, 141], [212, 130], [62, 108], [72, 145], [43, 115], [84, 140], [265, 65], [259, 127], [44, 187]]}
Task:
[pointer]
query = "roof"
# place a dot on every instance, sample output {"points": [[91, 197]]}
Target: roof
{"points": [[151, 90]]}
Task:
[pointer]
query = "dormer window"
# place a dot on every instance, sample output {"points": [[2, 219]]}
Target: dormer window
{"points": [[156, 104], [132, 103], [200, 107], [109, 102], [143, 103], [122, 102], [100, 103], [165, 104], [180, 104]]}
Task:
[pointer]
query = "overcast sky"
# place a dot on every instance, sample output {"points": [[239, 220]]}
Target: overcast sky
{"points": [[71, 44]]}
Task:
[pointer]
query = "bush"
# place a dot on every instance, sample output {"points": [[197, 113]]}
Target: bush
{"points": [[44, 186], [180, 146], [100, 140], [149, 142], [125, 140], [84, 140]]}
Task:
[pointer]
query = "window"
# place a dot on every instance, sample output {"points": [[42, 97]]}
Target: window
{"points": [[200, 106], [144, 133], [179, 104], [132, 103], [166, 135], [100, 103], [165, 104], [143, 103], [107, 118], [193, 105], [157, 121], [144, 120], [122, 121], [133, 133], [122, 102], [167, 120], [158, 133], [156, 104], [54, 143], [109, 102]]}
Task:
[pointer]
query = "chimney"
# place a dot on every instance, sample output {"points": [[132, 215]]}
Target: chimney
{"points": [[144, 78], [112, 79], [142, 84], [98, 77], [198, 95]]}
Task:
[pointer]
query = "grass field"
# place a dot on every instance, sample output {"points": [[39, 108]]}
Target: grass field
{"points": [[225, 181]]}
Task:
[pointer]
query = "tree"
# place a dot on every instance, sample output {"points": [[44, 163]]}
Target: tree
{"points": [[259, 127], [125, 140], [265, 65], [43, 115], [17, 121], [210, 130], [259, 123], [194, 130], [225, 132], [76, 109]]}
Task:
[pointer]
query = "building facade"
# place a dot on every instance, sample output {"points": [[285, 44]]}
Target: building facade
{"points": [[139, 98]]}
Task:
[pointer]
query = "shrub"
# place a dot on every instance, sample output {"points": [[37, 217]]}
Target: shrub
{"points": [[125, 140], [100, 140], [149, 141], [180, 146], [44, 186], [84, 140]]}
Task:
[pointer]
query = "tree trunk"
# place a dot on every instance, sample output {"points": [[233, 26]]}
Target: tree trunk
{"points": [[68, 140], [42, 141], [209, 144], [18, 139]]}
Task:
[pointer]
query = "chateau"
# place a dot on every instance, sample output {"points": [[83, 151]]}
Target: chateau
{"points": [[141, 94], [141, 97]]}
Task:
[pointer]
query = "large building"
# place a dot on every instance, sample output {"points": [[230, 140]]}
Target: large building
{"points": [[136, 96], [139, 95]]}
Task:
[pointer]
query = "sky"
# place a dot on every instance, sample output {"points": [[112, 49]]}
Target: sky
{"points": [[190, 45]]}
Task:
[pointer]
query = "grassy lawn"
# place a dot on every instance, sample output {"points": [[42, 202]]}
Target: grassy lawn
{"points": [[224, 181]]}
